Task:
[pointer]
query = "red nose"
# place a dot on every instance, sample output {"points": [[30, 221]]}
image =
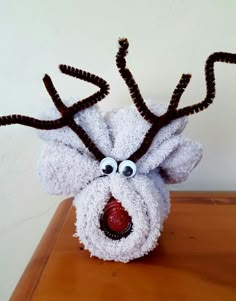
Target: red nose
{"points": [[116, 217]]}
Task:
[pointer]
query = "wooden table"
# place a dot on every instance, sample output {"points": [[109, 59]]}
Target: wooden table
{"points": [[195, 259]]}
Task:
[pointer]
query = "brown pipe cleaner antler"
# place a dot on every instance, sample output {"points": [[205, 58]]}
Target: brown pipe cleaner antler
{"points": [[67, 113], [157, 122]]}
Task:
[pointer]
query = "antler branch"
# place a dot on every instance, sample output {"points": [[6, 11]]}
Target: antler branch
{"points": [[178, 91], [130, 82], [67, 113], [88, 77], [32, 122], [223, 57], [157, 122], [53, 93]]}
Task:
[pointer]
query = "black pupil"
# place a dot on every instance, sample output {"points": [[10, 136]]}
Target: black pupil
{"points": [[128, 171], [108, 169]]}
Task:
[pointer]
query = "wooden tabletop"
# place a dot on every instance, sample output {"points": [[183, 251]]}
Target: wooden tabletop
{"points": [[195, 259]]}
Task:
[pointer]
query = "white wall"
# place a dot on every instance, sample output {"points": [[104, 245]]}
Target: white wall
{"points": [[166, 38]]}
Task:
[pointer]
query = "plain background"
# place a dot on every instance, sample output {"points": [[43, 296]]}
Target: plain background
{"points": [[166, 38]]}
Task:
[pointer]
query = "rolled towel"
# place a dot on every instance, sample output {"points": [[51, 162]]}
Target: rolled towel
{"points": [[117, 217]]}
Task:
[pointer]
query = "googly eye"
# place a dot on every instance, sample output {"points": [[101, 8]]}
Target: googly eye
{"points": [[108, 166], [127, 168]]}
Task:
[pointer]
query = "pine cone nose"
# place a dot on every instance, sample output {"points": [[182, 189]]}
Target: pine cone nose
{"points": [[116, 218]]}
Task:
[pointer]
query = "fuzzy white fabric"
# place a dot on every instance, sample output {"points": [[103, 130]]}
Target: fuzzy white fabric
{"points": [[139, 197], [65, 170], [181, 162], [67, 167], [91, 120]]}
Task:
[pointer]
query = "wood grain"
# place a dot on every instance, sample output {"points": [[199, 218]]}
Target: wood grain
{"points": [[35, 267], [195, 259]]}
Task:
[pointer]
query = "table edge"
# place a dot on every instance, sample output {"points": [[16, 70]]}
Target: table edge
{"points": [[32, 273], [31, 276]]}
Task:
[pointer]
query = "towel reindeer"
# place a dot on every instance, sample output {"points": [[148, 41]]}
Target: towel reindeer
{"points": [[117, 166]]}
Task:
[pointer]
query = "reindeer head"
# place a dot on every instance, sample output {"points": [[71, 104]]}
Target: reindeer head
{"points": [[117, 165]]}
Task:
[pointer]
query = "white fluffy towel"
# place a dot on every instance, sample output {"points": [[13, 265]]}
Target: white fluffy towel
{"points": [[66, 167]]}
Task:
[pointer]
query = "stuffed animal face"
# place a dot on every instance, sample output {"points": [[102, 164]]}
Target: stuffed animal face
{"points": [[116, 165], [119, 215]]}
